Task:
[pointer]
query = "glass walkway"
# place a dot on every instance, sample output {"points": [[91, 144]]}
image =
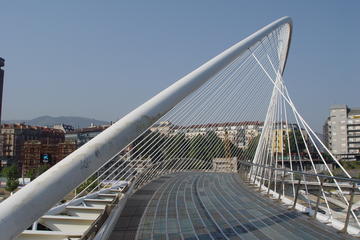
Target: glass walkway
{"points": [[211, 206]]}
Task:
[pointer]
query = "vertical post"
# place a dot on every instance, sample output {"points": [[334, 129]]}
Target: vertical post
{"points": [[282, 183], [269, 183], [255, 173], [241, 171], [245, 172], [318, 198], [297, 193], [262, 178], [344, 230], [249, 172]]}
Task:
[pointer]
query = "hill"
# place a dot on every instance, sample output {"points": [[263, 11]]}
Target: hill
{"points": [[49, 121]]}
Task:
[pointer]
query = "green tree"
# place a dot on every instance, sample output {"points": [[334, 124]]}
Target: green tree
{"points": [[249, 152], [295, 138], [176, 146], [206, 147], [11, 185], [12, 174], [35, 172], [149, 145]]}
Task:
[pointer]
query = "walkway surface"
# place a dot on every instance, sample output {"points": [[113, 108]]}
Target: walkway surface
{"points": [[211, 206]]}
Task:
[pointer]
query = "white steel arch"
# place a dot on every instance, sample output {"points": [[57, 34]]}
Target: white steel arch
{"points": [[19, 211]]}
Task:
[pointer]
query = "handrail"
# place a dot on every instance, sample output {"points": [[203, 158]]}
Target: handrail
{"points": [[357, 181]]}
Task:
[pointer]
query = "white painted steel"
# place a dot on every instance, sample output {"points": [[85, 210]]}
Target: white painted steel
{"points": [[46, 235], [27, 205]]}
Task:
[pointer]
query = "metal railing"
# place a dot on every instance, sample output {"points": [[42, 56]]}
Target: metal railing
{"points": [[315, 195]]}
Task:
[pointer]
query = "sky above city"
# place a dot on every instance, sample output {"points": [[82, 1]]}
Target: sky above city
{"points": [[101, 59]]}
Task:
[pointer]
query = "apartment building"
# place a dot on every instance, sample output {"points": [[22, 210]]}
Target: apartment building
{"points": [[239, 133], [37, 153], [14, 137], [342, 132]]}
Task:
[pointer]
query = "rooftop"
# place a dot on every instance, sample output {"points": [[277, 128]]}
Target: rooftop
{"points": [[90, 129], [338, 106], [354, 111], [24, 126]]}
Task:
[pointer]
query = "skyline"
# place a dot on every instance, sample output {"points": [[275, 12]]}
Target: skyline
{"points": [[137, 50]]}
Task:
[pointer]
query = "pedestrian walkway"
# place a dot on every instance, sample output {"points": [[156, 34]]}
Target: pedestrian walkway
{"points": [[211, 206]]}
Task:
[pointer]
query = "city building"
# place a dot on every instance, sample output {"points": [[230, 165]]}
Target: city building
{"points": [[83, 135], [37, 153], [342, 132], [64, 149], [2, 64], [64, 127], [225, 164], [14, 137], [280, 135], [238, 133]]}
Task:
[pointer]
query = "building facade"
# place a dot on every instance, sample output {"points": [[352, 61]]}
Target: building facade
{"points": [[342, 132], [37, 153], [64, 127], [2, 64], [280, 134], [238, 133], [228, 165], [83, 135], [14, 137]]}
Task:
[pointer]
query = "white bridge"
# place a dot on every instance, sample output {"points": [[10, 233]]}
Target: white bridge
{"points": [[210, 157]]}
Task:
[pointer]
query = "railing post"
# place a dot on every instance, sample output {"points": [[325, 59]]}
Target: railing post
{"points": [[318, 198], [255, 173], [269, 183], [282, 184], [344, 230], [249, 173], [241, 171], [262, 178], [296, 194]]}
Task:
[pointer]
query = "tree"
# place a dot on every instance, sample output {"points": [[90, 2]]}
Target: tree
{"points": [[176, 147], [149, 145], [35, 172], [12, 174], [11, 185], [294, 140], [249, 152], [206, 147]]}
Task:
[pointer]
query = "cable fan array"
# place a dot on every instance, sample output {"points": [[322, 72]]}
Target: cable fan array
{"points": [[243, 113]]}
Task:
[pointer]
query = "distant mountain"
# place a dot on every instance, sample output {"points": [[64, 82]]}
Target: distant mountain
{"points": [[76, 122]]}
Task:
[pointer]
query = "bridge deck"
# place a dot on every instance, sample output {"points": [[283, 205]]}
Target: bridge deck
{"points": [[211, 206]]}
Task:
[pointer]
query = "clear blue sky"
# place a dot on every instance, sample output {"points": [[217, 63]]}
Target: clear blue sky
{"points": [[101, 59]]}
